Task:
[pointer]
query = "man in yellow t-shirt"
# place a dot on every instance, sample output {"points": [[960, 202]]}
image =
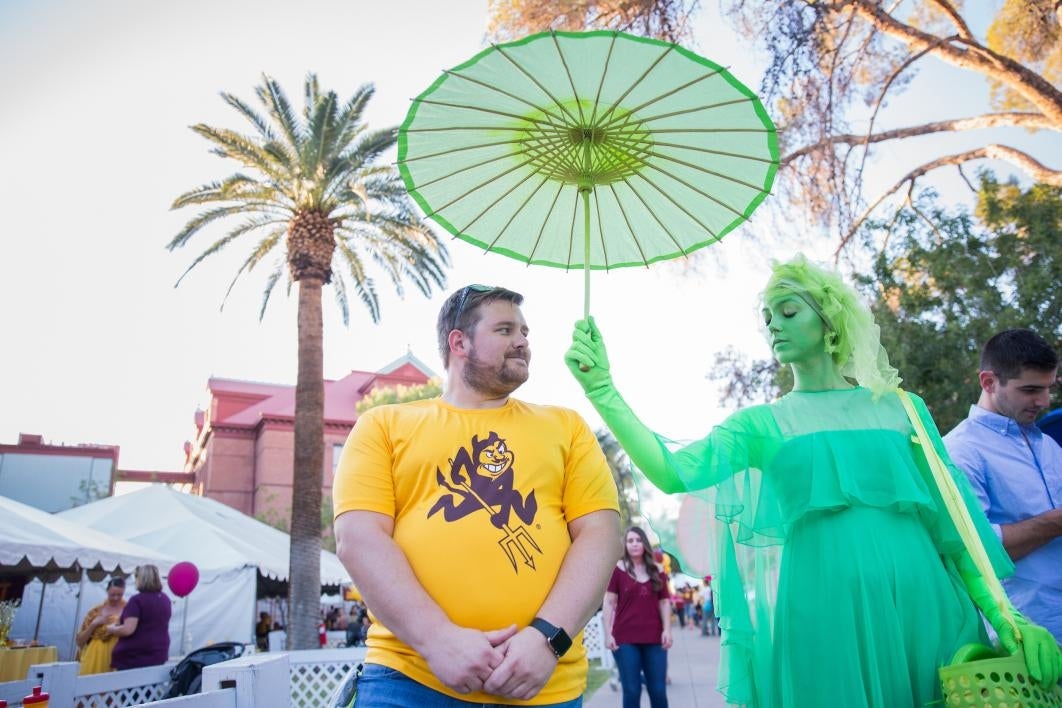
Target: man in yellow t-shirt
{"points": [[481, 530]]}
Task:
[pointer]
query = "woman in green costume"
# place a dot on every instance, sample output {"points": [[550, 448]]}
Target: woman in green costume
{"points": [[843, 581]]}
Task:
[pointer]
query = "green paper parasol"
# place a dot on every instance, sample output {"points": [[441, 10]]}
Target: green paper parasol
{"points": [[588, 150]]}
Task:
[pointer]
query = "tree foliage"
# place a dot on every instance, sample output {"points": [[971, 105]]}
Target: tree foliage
{"points": [[280, 519], [399, 394], [944, 284], [747, 381], [837, 63], [668, 20], [314, 194], [623, 473]]}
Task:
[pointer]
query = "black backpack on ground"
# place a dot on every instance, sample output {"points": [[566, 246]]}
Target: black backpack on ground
{"points": [[186, 677]]}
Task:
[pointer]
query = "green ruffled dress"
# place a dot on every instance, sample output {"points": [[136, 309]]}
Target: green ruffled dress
{"points": [[836, 585]]}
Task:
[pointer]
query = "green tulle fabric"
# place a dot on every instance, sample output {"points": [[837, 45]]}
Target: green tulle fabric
{"points": [[833, 552]]}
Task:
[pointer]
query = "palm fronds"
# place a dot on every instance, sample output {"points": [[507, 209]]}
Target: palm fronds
{"points": [[324, 161], [271, 281], [266, 245]]}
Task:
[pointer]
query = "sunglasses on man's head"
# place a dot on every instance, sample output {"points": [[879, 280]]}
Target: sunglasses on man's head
{"points": [[459, 310]]}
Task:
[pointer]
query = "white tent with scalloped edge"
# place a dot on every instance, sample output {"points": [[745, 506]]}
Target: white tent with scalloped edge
{"points": [[40, 543], [62, 556], [228, 547]]}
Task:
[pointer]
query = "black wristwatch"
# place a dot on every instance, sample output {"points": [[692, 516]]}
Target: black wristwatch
{"points": [[557, 638]]}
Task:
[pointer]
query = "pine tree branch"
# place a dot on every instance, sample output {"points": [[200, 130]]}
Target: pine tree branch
{"points": [[975, 56], [1021, 159], [1014, 119], [956, 19]]}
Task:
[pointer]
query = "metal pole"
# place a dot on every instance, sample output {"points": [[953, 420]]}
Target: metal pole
{"points": [[184, 623], [77, 613], [40, 609]]}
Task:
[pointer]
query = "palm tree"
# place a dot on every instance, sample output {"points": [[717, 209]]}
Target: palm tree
{"points": [[623, 473], [313, 196]]}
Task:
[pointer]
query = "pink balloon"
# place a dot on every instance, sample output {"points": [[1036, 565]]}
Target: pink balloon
{"points": [[183, 578]]}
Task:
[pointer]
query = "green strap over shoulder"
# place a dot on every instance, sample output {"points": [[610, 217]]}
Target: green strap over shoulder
{"points": [[960, 516]]}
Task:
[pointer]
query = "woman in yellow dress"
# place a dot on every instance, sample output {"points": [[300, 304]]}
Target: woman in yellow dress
{"points": [[93, 641]]}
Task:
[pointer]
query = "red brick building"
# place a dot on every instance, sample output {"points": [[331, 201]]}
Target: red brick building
{"points": [[244, 447]]}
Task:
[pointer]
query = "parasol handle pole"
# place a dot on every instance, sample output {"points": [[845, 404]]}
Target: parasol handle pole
{"points": [[586, 252], [586, 260]]}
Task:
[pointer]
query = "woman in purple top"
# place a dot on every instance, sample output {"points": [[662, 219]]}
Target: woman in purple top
{"points": [[637, 622], [144, 628]]}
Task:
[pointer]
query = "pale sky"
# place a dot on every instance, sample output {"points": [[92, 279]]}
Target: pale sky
{"points": [[99, 346]]}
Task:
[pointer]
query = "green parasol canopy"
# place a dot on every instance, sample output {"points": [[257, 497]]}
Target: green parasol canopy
{"points": [[588, 150]]}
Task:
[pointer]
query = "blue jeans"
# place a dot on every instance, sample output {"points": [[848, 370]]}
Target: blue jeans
{"points": [[383, 687], [633, 660]]}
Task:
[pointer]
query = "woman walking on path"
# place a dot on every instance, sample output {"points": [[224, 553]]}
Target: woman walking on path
{"points": [[637, 622], [842, 579], [94, 642]]}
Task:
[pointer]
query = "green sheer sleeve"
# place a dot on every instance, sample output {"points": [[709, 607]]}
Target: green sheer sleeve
{"points": [[645, 448], [728, 449]]}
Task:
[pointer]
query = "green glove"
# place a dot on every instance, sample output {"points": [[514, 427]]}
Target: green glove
{"points": [[1042, 655], [588, 348], [645, 450]]}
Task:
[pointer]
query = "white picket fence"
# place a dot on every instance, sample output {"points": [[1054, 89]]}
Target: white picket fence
{"points": [[111, 690], [594, 641], [294, 679], [301, 679]]}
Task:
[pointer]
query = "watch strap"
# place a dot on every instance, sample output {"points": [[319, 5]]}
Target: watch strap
{"points": [[557, 639]]}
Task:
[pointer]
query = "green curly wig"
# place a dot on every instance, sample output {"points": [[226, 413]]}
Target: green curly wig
{"points": [[853, 339]]}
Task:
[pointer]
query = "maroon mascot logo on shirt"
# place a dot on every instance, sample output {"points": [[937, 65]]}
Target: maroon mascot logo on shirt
{"points": [[483, 481]]}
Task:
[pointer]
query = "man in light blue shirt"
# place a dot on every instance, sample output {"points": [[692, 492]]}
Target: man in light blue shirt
{"points": [[1016, 470]]}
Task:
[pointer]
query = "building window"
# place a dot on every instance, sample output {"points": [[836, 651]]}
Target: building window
{"points": [[337, 450]]}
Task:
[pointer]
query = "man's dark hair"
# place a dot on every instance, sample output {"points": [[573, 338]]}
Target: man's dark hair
{"points": [[116, 583], [461, 311], [1013, 350]]}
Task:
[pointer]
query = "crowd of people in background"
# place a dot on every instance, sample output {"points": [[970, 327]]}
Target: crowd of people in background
{"points": [[354, 623], [694, 607]]}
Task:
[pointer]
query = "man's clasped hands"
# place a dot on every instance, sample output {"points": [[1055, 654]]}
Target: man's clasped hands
{"points": [[506, 662]]}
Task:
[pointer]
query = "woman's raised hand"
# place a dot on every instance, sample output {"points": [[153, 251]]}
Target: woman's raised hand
{"points": [[588, 349]]}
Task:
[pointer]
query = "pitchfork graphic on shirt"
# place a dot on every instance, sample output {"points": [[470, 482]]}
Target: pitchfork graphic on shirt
{"points": [[483, 479]]}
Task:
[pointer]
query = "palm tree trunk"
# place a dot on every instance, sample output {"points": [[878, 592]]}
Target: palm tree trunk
{"points": [[304, 576]]}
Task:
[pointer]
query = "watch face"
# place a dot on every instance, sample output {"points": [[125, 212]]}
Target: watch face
{"points": [[560, 642]]}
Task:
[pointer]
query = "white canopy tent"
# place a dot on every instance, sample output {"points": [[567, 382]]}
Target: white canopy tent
{"points": [[65, 555], [228, 547], [38, 539]]}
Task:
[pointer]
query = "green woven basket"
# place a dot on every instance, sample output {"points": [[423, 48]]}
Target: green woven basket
{"points": [[985, 678]]}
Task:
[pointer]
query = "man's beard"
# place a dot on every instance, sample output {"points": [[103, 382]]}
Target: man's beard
{"points": [[490, 380]]}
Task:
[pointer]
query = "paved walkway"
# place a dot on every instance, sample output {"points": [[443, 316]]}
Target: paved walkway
{"points": [[692, 664]]}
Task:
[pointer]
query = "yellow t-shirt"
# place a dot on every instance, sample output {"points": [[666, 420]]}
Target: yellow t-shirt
{"points": [[481, 501]]}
